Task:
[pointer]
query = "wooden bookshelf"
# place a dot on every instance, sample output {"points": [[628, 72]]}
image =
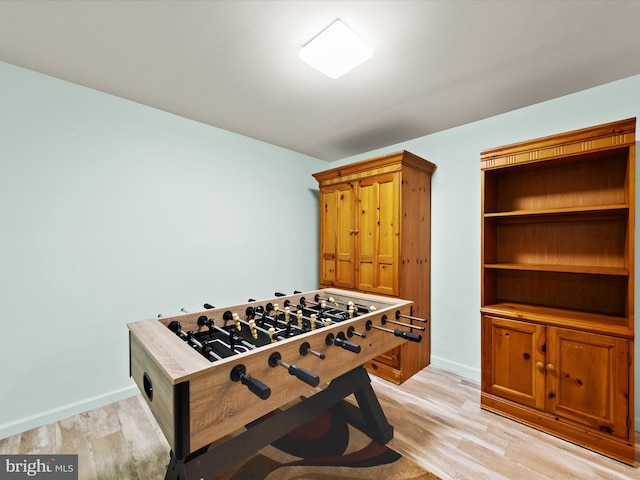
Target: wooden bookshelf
{"points": [[557, 296]]}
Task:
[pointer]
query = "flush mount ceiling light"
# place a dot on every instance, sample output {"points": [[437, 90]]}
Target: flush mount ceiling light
{"points": [[336, 50]]}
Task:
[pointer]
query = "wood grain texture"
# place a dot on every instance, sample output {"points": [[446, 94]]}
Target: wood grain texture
{"points": [[436, 415], [565, 145], [217, 405], [558, 236], [375, 236]]}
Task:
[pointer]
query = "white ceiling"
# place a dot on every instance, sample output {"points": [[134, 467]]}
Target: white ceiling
{"points": [[235, 65]]}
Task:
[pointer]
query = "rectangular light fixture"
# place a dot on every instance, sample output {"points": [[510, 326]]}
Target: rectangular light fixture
{"points": [[336, 50]]}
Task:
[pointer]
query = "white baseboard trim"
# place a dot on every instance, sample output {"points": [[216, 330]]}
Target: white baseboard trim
{"points": [[44, 418], [465, 371], [56, 414]]}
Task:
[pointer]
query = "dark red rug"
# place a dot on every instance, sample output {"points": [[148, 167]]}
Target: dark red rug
{"points": [[327, 448]]}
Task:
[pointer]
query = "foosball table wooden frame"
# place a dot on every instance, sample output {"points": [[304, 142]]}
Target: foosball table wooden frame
{"points": [[197, 402]]}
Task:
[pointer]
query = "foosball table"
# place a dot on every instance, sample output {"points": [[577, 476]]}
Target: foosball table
{"points": [[260, 369]]}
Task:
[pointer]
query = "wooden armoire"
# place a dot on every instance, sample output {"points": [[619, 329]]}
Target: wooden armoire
{"points": [[375, 236], [557, 296]]}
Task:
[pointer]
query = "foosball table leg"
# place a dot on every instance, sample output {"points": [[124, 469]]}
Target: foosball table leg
{"points": [[368, 417], [175, 469]]}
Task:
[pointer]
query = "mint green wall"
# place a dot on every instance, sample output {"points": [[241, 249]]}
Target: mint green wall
{"points": [[455, 249], [113, 212]]}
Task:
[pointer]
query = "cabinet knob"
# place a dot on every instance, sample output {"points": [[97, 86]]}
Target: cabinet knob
{"points": [[540, 365], [551, 368]]}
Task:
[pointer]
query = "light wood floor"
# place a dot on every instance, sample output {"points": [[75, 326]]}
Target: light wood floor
{"points": [[437, 420]]}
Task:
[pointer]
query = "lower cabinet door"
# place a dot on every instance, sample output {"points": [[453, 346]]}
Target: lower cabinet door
{"points": [[513, 360], [588, 379]]}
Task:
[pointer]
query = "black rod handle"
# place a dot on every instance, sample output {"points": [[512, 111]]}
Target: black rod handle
{"points": [[239, 373], [352, 347], [413, 337], [256, 386], [305, 375]]}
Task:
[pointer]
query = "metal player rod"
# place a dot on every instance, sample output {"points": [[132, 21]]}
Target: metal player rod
{"points": [[300, 373], [414, 337], [351, 331], [306, 348], [323, 311], [322, 305], [332, 300], [242, 341], [408, 325], [209, 323], [313, 318], [291, 322], [399, 315], [228, 316], [265, 316], [203, 320], [263, 330], [314, 321], [288, 324], [205, 349], [271, 332]]}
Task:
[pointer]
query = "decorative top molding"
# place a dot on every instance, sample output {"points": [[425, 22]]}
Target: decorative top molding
{"points": [[378, 165], [587, 140]]}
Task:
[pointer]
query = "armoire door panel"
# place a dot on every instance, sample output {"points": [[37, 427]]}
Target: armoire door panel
{"points": [[337, 237], [388, 226], [345, 236], [328, 271], [388, 235], [344, 272], [378, 231], [386, 277], [367, 219], [329, 216], [367, 238]]}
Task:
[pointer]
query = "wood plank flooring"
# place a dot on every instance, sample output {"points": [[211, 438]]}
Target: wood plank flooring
{"points": [[436, 415], [439, 424]]}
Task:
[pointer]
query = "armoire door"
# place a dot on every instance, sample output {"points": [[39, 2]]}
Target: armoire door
{"points": [[377, 240], [337, 241]]}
